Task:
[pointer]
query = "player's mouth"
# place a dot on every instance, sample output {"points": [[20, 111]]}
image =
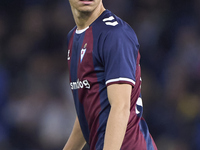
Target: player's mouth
{"points": [[86, 2]]}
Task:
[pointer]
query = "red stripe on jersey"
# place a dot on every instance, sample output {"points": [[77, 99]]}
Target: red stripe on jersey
{"points": [[134, 139], [89, 97]]}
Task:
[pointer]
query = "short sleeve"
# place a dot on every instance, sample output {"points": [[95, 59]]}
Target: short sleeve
{"points": [[120, 53]]}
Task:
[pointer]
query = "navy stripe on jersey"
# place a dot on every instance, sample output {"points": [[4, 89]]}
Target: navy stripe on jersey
{"points": [[104, 103]]}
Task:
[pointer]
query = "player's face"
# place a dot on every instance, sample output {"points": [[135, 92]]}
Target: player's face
{"points": [[85, 5]]}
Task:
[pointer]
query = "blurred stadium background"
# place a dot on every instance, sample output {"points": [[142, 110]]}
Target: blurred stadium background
{"points": [[36, 106]]}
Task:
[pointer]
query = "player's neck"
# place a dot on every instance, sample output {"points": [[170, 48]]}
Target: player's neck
{"points": [[84, 19]]}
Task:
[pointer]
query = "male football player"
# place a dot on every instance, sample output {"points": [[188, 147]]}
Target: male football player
{"points": [[105, 79]]}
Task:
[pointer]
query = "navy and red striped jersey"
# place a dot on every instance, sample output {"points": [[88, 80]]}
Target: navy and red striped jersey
{"points": [[105, 53]]}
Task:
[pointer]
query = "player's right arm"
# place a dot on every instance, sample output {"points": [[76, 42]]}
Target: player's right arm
{"points": [[76, 140]]}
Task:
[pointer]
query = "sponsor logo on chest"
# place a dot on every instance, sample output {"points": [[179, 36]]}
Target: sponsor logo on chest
{"points": [[80, 84]]}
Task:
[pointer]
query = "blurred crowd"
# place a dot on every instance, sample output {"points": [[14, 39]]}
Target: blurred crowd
{"points": [[36, 105]]}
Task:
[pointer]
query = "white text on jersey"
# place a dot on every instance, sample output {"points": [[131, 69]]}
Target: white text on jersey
{"points": [[79, 84]]}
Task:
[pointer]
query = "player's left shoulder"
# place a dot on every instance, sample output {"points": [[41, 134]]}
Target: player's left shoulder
{"points": [[111, 22], [115, 25], [110, 26]]}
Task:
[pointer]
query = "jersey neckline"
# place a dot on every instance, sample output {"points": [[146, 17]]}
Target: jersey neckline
{"points": [[82, 30]]}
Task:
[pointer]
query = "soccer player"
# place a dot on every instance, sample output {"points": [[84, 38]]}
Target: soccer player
{"points": [[105, 79]]}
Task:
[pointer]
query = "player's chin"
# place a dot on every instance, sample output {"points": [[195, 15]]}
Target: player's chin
{"points": [[86, 9]]}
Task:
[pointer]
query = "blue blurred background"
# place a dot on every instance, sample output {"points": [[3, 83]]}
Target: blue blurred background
{"points": [[36, 106]]}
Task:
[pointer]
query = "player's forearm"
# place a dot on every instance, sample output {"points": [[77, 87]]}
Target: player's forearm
{"points": [[116, 128], [76, 140]]}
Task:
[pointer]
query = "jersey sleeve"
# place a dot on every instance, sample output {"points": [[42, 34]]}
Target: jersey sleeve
{"points": [[120, 53]]}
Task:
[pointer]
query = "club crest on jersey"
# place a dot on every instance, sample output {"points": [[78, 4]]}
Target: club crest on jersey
{"points": [[83, 50]]}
